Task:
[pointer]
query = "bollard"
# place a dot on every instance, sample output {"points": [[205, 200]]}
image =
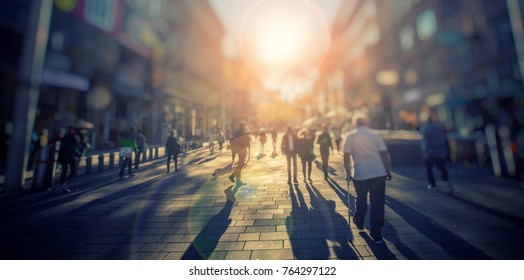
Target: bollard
{"points": [[44, 169], [111, 160], [89, 162], [120, 159], [156, 152], [100, 162], [150, 152]]}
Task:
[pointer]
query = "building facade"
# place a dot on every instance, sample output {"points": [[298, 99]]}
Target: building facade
{"points": [[115, 65], [400, 59]]}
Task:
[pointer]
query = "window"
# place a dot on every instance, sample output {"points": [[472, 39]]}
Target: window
{"points": [[101, 13], [426, 24]]}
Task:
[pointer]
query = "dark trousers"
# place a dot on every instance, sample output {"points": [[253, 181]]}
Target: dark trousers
{"points": [[242, 157], [377, 193], [325, 161], [125, 162], [65, 163], [337, 142], [440, 163], [175, 157], [290, 157], [138, 157], [309, 163]]}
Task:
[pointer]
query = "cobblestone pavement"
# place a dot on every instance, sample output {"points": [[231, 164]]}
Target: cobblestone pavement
{"points": [[198, 213]]}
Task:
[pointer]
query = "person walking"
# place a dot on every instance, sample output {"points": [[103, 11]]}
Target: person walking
{"points": [[289, 147], [172, 150], [220, 140], [211, 141], [263, 140], [66, 157], [141, 142], [338, 138], [241, 143], [371, 168], [127, 146], [274, 140], [325, 143], [435, 151], [305, 152]]}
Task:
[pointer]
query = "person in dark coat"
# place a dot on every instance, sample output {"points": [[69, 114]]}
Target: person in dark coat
{"points": [[435, 151], [172, 150], [305, 153], [66, 156], [324, 140], [289, 147]]}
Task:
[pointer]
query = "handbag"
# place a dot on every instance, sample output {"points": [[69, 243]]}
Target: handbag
{"points": [[126, 152]]}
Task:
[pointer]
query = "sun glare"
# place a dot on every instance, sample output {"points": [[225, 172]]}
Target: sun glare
{"points": [[280, 44], [283, 41]]}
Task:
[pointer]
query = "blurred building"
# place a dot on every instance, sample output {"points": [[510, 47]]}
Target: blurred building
{"points": [[400, 59], [194, 78], [113, 65]]}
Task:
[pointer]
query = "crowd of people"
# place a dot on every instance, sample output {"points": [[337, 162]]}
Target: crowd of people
{"points": [[365, 157]]}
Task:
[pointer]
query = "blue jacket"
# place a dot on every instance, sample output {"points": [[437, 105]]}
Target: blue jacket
{"points": [[435, 142]]}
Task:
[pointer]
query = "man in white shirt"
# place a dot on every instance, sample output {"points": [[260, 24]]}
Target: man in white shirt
{"points": [[371, 168]]}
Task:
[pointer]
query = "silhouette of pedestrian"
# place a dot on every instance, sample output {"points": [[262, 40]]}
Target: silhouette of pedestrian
{"points": [[289, 147], [305, 152], [263, 140], [66, 156], [127, 146], [324, 140], [274, 140], [141, 143], [338, 138], [172, 150], [211, 141], [220, 140], [241, 143], [435, 151], [371, 169]]}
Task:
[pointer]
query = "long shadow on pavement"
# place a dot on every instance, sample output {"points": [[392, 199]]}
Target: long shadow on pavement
{"points": [[439, 235], [313, 231], [331, 170], [207, 159], [206, 241], [347, 198], [296, 223], [380, 251], [224, 170], [336, 228]]}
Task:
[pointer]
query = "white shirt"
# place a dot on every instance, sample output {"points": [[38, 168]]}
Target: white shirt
{"points": [[365, 147], [291, 146]]}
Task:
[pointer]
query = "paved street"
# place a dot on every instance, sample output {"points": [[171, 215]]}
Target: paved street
{"points": [[199, 214]]}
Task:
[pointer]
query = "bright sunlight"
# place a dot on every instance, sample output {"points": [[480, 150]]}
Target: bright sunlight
{"points": [[284, 42]]}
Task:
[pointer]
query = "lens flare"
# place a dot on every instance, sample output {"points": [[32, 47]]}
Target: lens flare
{"points": [[283, 41]]}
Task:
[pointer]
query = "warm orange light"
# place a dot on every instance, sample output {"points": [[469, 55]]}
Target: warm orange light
{"points": [[279, 44], [284, 42]]}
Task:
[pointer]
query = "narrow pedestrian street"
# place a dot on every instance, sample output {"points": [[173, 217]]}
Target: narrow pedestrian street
{"points": [[197, 213]]}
